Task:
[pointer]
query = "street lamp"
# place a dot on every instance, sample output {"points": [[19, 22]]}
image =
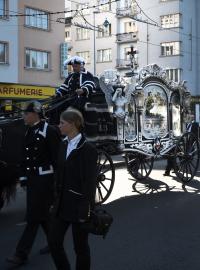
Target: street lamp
{"points": [[105, 24]]}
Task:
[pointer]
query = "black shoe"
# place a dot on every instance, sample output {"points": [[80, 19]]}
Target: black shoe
{"points": [[166, 174], [45, 250], [16, 260]]}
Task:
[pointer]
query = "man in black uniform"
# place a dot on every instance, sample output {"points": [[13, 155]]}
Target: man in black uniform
{"points": [[193, 127], [40, 151], [79, 84]]}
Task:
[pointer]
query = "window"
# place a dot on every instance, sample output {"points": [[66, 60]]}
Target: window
{"points": [[106, 5], [3, 53], [85, 55], [130, 27], [67, 34], [40, 19], [104, 55], [3, 8], [82, 33], [174, 74], [171, 20], [106, 31], [170, 48], [37, 59]]}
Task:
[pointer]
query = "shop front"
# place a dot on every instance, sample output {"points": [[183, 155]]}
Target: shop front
{"points": [[15, 95]]}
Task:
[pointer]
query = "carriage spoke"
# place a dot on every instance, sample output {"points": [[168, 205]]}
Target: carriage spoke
{"points": [[101, 183], [100, 196], [105, 177], [187, 157], [139, 165]]}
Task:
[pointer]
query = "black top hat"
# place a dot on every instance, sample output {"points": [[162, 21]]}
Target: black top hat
{"points": [[34, 106]]}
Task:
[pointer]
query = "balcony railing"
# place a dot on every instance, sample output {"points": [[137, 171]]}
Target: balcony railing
{"points": [[123, 63], [126, 11], [127, 37]]}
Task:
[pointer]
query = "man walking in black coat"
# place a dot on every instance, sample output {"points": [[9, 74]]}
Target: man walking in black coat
{"points": [[38, 166], [193, 127]]}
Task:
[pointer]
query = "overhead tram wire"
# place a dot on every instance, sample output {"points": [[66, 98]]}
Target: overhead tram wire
{"points": [[18, 13], [150, 43], [60, 12], [94, 6], [163, 28], [99, 5]]}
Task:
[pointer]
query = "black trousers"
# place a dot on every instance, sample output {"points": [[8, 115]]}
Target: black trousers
{"points": [[57, 232], [27, 239], [170, 164]]}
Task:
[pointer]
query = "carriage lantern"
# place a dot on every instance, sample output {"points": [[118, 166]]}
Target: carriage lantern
{"points": [[139, 98]]}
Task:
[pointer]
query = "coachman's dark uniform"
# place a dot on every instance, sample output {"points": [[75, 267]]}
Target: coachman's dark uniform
{"points": [[74, 81], [40, 152]]}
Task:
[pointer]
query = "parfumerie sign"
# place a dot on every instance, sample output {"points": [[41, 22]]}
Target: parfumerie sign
{"points": [[25, 91]]}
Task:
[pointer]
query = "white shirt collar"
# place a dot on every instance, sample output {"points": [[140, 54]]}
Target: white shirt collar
{"points": [[72, 144], [75, 140]]}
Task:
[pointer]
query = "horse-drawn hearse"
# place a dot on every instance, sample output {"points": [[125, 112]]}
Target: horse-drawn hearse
{"points": [[141, 116]]}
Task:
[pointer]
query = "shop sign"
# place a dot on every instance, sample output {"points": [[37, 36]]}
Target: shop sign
{"points": [[25, 91]]}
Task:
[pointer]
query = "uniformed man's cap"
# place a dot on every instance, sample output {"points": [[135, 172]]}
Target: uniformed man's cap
{"points": [[34, 106], [74, 60]]}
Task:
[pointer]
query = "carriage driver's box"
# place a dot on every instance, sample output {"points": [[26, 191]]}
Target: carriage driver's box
{"points": [[99, 121]]}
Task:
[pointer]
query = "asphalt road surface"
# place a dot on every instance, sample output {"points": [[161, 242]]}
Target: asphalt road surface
{"points": [[156, 227]]}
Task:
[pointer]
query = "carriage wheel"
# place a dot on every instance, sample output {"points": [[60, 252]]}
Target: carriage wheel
{"points": [[139, 165], [186, 157], [105, 177]]}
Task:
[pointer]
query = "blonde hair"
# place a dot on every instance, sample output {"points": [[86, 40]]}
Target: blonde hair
{"points": [[72, 115]]}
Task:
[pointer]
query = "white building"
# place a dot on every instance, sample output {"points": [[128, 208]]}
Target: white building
{"points": [[165, 32]]}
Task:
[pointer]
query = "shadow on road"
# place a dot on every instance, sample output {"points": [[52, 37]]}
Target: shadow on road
{"points": [[158, 230]]}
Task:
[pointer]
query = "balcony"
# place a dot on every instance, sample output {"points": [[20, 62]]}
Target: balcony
{"points": [[123, 63], [127, 37], [126, 11]]}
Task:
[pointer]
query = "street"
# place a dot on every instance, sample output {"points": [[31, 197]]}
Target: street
{"points": [[156, 227]]}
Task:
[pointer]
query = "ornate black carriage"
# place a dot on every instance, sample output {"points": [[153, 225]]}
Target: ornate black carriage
{"points": [[142, 117]]}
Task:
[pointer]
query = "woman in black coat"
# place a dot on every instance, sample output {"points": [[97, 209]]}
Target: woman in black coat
{"points": [[76, 185]]}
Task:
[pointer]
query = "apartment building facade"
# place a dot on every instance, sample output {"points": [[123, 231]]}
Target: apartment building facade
{"points": [[30, 48], [165, 32]]}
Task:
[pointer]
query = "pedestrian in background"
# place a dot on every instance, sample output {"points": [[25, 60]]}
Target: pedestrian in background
{"points": [[76, 186], [170, 166], [38, 166], [193, 127]]}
